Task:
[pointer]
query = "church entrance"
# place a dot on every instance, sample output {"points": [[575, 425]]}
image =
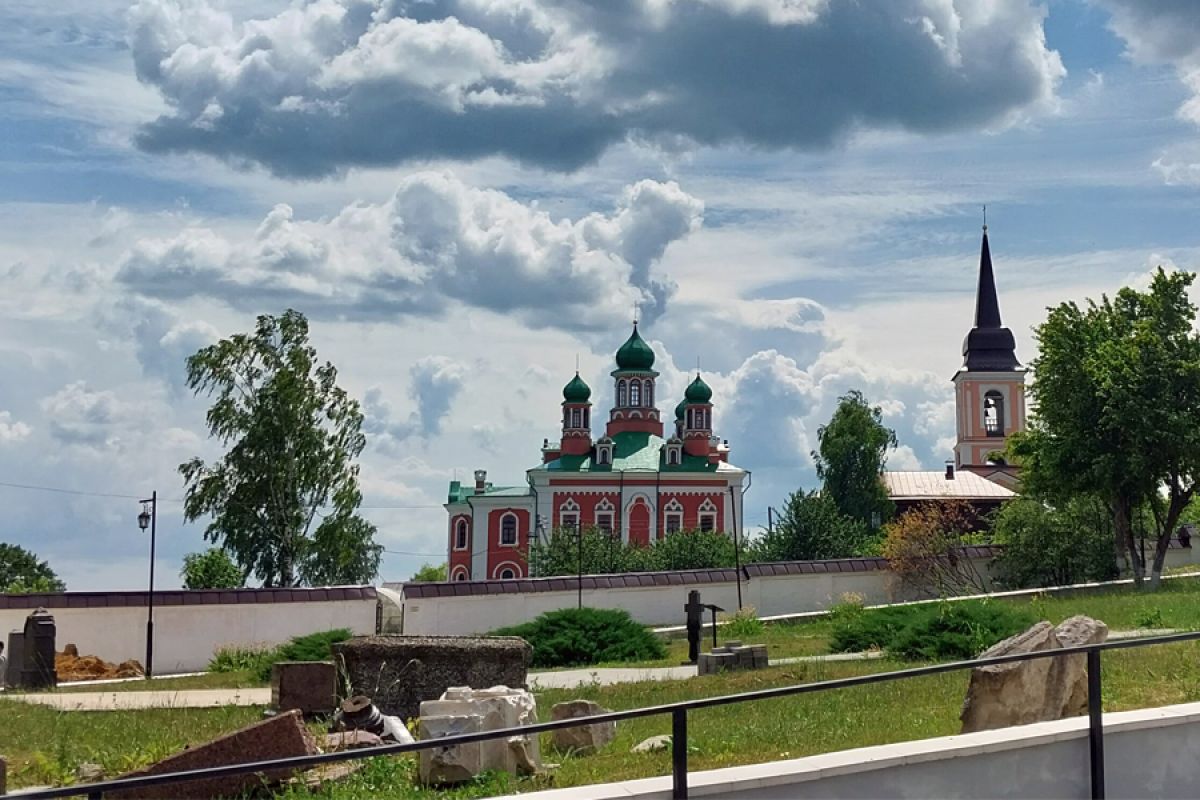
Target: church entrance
{"points": [[639, 524]]}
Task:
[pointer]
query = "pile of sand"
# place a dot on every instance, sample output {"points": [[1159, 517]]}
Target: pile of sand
{"points": [[71, 666]]}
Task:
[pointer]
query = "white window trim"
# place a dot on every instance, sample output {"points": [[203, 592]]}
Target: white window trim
{"points": [[707, 510], [611, 518], [672, 516], [503, 565], [459, 573], [462, 524], [516, 530], [568, 520]]}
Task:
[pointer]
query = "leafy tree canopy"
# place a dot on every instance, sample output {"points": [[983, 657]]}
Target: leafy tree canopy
{"points": [[1045, 545], [850, 458], [22, 573], [212, 569], [283, 498], [560, 553], [428, 573], [812, 528], [1117, 408]]}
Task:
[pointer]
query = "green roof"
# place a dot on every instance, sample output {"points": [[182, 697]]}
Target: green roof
{"points": [[576, 391], [635, 354], [681, 409], [459, 493], [632, 451], [698, 392]]}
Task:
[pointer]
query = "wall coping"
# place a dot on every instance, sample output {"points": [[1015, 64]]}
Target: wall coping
{"points": [[731, 780], [186, 597], [634, 580]]}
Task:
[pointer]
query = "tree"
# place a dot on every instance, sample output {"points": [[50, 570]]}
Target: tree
{"points": [[1045, 545], [924, 546], [212, 569], [850, 458], [283, 497], [22, 573], [1117, 401], [560, 553], [812, 528], [428, 573]]}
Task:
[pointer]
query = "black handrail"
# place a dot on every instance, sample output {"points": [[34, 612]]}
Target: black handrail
{"points": [[677, 711]]}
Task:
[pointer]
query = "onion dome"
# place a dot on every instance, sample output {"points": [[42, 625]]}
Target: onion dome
{"points": [[635, 354], [681, 409], [698, 392], [576, 391]]}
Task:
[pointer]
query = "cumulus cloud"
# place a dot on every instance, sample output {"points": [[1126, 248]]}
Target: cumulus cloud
{"points": [[78, 415], [436, 241], [336, 83], [164, 340], [434, 383], [12, 430], [1163, 32]]}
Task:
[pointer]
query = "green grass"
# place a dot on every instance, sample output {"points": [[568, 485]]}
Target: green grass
{"points": [[241, 679]]}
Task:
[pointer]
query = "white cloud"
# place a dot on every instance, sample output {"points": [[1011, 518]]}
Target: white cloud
{"points": [[313, 89], [436, 241], [12, 430]]}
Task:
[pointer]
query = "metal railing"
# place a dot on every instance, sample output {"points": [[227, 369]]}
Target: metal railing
{"points": [[679, 725]]}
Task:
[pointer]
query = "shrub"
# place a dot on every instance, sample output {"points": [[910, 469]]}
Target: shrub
{"points": [[744, 624], [574, 637], [929, 631], [237, 658]]}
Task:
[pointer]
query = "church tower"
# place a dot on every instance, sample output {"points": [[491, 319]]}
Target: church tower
{"points": [[989, 389]]}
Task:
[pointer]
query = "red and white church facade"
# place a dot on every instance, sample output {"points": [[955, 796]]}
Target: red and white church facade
{"points": [[636, 481]]}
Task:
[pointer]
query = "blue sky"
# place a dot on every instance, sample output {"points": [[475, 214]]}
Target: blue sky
{"points": [[466, 195]]}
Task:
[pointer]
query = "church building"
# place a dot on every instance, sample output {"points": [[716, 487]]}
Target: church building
{"points": [[637, 482]]}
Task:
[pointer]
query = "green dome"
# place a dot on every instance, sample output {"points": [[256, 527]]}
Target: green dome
{"points": [[681, 409], [576, 391], [698, 392], [635, 353]]}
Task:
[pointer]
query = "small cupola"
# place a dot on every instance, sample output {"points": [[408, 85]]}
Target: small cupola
{"points": [[604, 451], [577, 391], [698, 392]]}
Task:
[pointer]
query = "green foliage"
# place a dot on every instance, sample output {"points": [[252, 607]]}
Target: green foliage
{"points": [[929, 631], [742, 624], [1118, 408], [239, 659], [1150, 618], [428, 573], [810, 528], [850, 458], [259, 660], [22, 573], [924, 547], [578, 637], [212, 569], [1048, 546], [292, 437], [560, 553]]}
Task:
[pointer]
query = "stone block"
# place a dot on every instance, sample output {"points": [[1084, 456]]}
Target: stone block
{"points": [[282, 736], [463, 710], [307, 686], [654, 744], [400, 672], [1040, 690], [583, 739], [349, 740], [717, 662]]}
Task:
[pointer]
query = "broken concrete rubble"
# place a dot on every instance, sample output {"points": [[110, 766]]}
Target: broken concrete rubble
{"points": [[463, 710], [308, 686], [281, 736], [582, 739]]}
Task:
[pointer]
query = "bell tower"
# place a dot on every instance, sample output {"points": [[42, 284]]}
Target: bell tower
{"points": [[989, 389]]}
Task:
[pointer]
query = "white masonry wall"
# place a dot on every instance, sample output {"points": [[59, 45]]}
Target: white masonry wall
{"points": [[185, 637]]}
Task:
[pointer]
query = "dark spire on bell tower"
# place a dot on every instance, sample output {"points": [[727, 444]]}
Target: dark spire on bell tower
{"points": [[989, 347]]}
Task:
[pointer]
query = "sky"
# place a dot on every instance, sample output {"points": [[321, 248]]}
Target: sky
{"points": [[468, 197]]}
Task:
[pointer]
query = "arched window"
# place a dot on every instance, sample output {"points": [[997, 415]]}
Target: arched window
{"points": [[708, 516], [622, 390], [568, 515], [673, 456], [460, 573], [673, 516], [507, 574], [993, 413], [576, 418], [566, 417], [587, 418], [506, 571], [635, 393], [460, 535], [508, 530], [649, 398]]}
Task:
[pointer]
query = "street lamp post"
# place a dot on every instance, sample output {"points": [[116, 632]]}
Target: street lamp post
{"points": [[149, 519]]}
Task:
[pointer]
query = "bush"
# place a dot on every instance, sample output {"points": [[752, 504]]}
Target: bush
{"points": [[259, 660], [744, 624], [578, 637], [929, 632]]}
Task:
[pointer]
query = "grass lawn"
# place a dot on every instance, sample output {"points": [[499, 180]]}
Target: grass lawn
{"points": [[210, 680]]}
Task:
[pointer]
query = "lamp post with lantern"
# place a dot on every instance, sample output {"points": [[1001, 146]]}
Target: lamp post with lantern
{"points": [[149, 519]]}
